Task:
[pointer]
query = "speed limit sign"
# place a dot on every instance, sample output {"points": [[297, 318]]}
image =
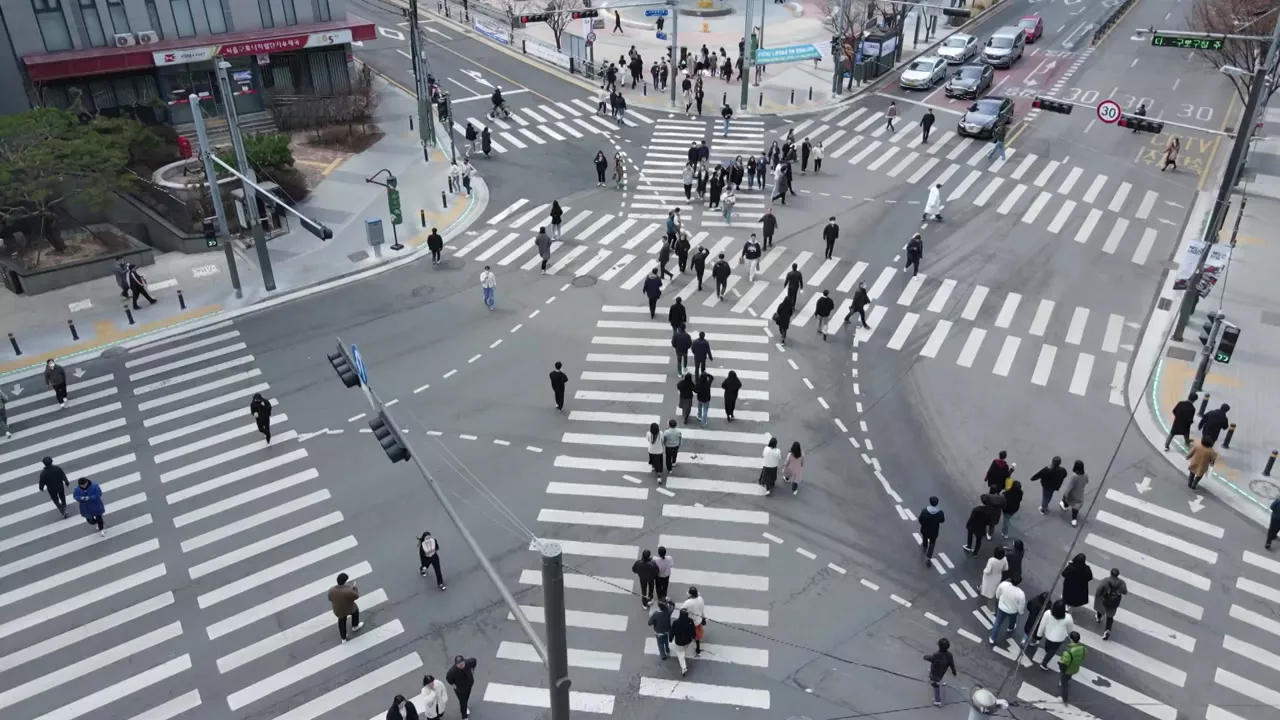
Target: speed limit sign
{"points": [[1108, 111]]}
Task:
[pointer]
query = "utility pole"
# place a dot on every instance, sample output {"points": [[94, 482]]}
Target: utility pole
{"points": [[215, 192], [426, 128], [557, 635], [249, 178], [748, 52], [675, 51]]}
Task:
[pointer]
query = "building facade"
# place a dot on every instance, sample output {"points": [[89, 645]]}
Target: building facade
{"points": [[146, 57]]}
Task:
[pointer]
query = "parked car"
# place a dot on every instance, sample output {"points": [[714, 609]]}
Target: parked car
{"points": [[984, 116], [1032, 27], [923, 73], [959, 49], [970, 81]]}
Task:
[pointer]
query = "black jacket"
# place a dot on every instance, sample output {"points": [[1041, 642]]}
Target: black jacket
{"points": [[782, 316], [699, 262], [1051, 477], [462, 678], [794, 280], [653, 286], [51, 476], [682, 630], [410, 712], [915, 248], [677, 315], [1184, 414], [681, 342], [702, 388], [824, 307], [260, 407], [685, 387], [721, 270], [997, 473], [861, 299], [435, 243], [979, 520], [731, 386], [770, 222], [702, 349], [830, 232], [558, 380], [1212, 423], [939, 663], [646, 570], [1013, 498], [931, 523], [927, 120]]}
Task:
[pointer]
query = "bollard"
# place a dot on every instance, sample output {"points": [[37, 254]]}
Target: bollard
{"points": [[444, 202], [71, 325], [182, 301], [14, 342], [1231, 430], [761, 99], [128, 312], [1271, 461], [810, 93], [644, 89], [724, 98], [422, 216], [1204, 404], [793, 96], [410, 122]]}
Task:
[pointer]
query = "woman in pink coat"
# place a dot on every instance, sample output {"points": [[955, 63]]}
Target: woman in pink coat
{"points": [[793, 467]]}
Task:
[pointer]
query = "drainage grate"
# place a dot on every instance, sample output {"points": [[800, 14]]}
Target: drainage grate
{"points": [[356, 257], [584, 281], [1181, 353]]}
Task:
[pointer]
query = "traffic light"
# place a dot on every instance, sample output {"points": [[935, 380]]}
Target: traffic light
{"points": [[1053, 106], [957, 12], [210, 232], [579, 14], [1226, 342], [345, 368], [540, 17], [1141, 124], [392, 444], [1206, 330]]}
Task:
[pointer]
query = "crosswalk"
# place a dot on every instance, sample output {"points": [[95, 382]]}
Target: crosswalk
{"points": [[531, 126], [1251, 673], [605, 507], [660, 189], [215, 540]]}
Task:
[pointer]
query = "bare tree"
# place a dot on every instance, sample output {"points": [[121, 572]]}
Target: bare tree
{"points": [[1236, 17], [560, 15], [843, 18]]}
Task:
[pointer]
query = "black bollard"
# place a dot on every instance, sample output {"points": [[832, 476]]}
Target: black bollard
{"points": [[444, 200], [1271, 461], [761, 99], [71, 325], [14, 342], [410, 122], [182, 301], [128, 312], [1231, 430], [793, 96], [810, 93], [422, 215], [1204, 404]]}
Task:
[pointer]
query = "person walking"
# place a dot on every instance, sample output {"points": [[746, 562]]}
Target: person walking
{"points": [[699, 264], [260, 409], [782, 317], [997, 142], [89, 496], [55, 378], [1073, 496], [697, 608], [121, 272], [682, 251], [731, 386], [1011, 602], [998, 472], [660, 621], [486, 141], [557, 215], [617, 22], [822, 310], [681, 343], [470, 134], [1214, 422], [890, 114], [646, 571], [342, 598], [489, 287], [1184, 414], [435, 244], [861, 300], [543, 242], [933, 205], [678, 315], [1273, 529], [771, 459], [1069, 663], [4, 416], [769, 226], [817, 157], [652, 290], [429, 557], [685, 388], [793, 467], [402, 709], [726, 113], [683, 632], [794, 282], [1051, 478], [991, 574], [727, 202], [806, 149], [138, 286], [829, 234], [751, 257], [1076, 577], [662, 582], [701, 353], [926, 124], [601, 163], [720, 272], [1106, 600], [435, 696], [462, 678], [686, 179], [915, 253], [1171, 150], [1013, 557], [54, 481], [664, 257], [671, 440], [702, 389], [1012, 501], [939, 663], [558, 382], [1054, 628], [653, 441], [930, 519], [468, 171], [993, 505], [975, 529], [1200, 458]]}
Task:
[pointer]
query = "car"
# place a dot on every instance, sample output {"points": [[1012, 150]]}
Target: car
{"points": [[1032, 27], [923, 73], [970, 81], [959, 49], [1004, 47], [984, 116]]}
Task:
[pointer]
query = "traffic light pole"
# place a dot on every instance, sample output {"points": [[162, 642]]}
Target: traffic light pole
{"points": [[1206, 359], [675, 50], [215, 192], [426, 128], [247, 175]]}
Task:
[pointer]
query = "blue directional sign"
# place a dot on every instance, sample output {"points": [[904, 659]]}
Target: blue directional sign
{"points": [[661, 36], [790, 53], [656, 12], [359, 361]]}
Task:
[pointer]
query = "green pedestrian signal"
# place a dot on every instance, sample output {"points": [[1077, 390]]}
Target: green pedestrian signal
{"points": [[1227, 343]]}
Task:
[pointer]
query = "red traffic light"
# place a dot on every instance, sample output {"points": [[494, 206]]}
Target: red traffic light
{"points": [[579, 14], [526, 19]]}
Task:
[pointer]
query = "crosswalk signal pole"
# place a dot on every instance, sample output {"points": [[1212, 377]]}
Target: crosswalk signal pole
{"points": [[215, 192], [675, 51], [242, 161], [748, 53], [557, 648], [426, 128]]}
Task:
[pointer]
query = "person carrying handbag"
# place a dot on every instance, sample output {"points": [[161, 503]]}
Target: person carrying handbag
{"points": [[793, 467]]}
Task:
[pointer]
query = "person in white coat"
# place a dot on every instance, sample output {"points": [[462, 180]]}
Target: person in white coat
{"points": [[698, 612], [488, 287], [991, 574], [933, 206], [435, 696], [1054, 628]]}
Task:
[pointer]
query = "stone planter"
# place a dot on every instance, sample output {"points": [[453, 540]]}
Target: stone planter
{"points": [[21, 280]]}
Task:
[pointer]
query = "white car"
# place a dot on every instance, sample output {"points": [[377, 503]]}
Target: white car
{"points": [[959, 48], [923, 73]]}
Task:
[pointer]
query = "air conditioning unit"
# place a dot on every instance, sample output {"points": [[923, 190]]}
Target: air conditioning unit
{"points": [[147, 37], [125, 40]]}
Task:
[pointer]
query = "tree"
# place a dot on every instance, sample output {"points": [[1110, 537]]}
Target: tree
{"points": [[560, 15], [1237, 17], [843, 18], [48, 155]]}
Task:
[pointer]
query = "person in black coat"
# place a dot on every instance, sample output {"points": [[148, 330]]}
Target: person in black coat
{"points": [[822, 310], [678, 315], [652, 290], [682, 252], [1184, 413], [1051, 478], [731, 386], [685, 390], [699, 263], [829, 235], [664, 257], [720, 272], [402, 709], [1214, 422], [998, 472], [1012, 501], [486, 142], [647, 570], [994, 504], [558, 382], [975, 529], [462, 676], [702, 390], [931, 519], [861, 299], [769, 223], [701, 353], [435, 244], [782, 316], [681, 342], [54, 481], [1013, 558], [260, 409], [1034, 606], [1076, 577]]}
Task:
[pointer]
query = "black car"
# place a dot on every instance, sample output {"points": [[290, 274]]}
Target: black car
{"points": [[970, 81], [984, 116]]}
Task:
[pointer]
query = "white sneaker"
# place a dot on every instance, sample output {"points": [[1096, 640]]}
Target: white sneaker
{"points": [[103, 532], [357, 627], [1073, 523]]}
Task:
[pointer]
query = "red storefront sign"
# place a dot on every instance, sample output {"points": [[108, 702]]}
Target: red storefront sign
{"points": [[267, 46]]}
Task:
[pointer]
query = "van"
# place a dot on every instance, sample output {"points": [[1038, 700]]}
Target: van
{"points": [[1004, 47]]}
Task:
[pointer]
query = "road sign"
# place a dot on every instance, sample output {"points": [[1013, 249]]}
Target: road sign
{"points": [[661, 36], [1187, 43], [656, 12], [1109, 111], [393, 205], [591, 37], [359, 363]]}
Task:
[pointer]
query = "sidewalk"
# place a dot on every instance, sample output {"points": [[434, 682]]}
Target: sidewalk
{"points": [[302, 263]]}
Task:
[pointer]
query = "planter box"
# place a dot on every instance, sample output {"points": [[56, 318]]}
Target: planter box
{"points": [[21, 281]]}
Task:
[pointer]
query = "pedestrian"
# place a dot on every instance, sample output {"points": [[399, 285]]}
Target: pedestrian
{"points": [[617, 22], [468, 170], [720, 273], [260, 409], [701, 353], [1013, 557], [699, 263], [685, 388], [993, 503], [647, 571], [681, 343], [1076, 577], [1034, 606], [997, 142], [1011, 602], [54, 481], [1273, 529], [806, 149], [726, 112], [652, 290], [939, 663], [702, 390], [435, 244], [678, 315], [991, 574], [342, 598], [861, 300], [822, 310], [1012, 501], [402, 709], [1054, 628], [751, 257], [664, 257], [915, 253], [829, 235], [663, 582], [889, 114], [470, 135], [771, 458], [4, 416], [660, 621], [1073, 496], [1051, 478], [1200, 458], [686, 179], [782, 317], [429, 557], [1106, 601], [488, 287], [602, 164], [462, 677], [486, 142], [1171, 153], [683, 632], [1214, 422], [975, 529], [769, 223], [794, 281], [558, 382], [728, 201], [673, 225], [793, 467], [697, 608], [930, 519], [1069, 663], [55, 378], [434, 697], [731, 386], [1184, 413], [926, 124], [817, 157], [933, 205], [455, 178], [998, 472], [543, 243], [682, 251], [671, 439], [653, 440], [121, 271]]}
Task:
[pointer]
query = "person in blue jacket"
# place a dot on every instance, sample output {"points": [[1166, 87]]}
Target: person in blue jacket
{"points": [[89, 495]]}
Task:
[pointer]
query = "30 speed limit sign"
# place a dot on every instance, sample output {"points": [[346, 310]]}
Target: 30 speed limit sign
{"points": [[1108, 111]]}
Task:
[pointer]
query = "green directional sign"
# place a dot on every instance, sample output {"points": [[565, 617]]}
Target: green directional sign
{"points": [[1187, 43], [393, 203]]}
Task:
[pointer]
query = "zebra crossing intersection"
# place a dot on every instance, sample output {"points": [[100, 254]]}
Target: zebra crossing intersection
{"points": [[549, 122], [659, 187]]}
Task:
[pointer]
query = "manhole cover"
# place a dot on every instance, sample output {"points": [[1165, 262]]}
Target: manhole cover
{"points": [[356, 257], [115, 351], [1265, 489], [451, 264], [583, 281], [423, 291]]}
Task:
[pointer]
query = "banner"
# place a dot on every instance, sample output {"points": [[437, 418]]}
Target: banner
{"points": [[543, 52], [1214, 265], [492, 32], [202, 53]]}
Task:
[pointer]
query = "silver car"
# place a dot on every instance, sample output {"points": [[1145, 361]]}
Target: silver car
{"points": [[923, 73], [959, 48]]}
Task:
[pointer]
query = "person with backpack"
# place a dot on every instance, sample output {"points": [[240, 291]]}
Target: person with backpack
{"points": [[1069, 663], [1106, 600], [931, 519], [939, 663]]}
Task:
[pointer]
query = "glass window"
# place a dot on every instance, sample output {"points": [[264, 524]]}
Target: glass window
{"points": [[182, 18], [93, 22], [217, 16], [290, 12], [153, 17], [322, 11], [264, 7], [119, 18], [53, 25]]}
